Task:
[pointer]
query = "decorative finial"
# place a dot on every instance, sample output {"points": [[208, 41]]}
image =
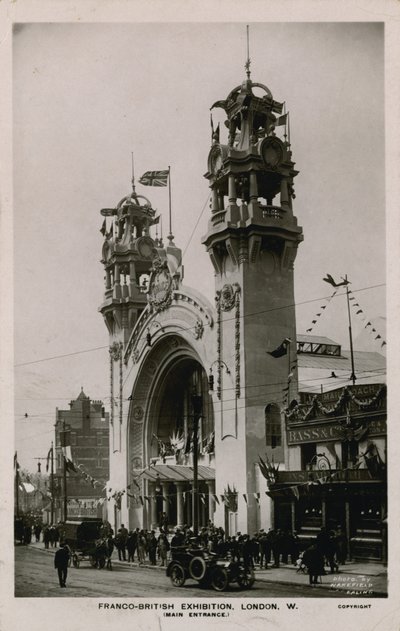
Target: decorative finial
{"points": [[247, 64]]}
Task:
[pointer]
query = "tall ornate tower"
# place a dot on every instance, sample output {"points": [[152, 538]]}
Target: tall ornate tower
{"points": [[252, 241]]}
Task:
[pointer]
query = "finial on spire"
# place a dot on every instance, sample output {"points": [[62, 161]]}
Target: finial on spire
{"points": [[247, 64]]}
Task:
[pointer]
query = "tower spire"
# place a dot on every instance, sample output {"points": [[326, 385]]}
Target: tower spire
{"points": [[247, 64]]}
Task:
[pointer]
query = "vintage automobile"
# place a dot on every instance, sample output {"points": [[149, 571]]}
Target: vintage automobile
{"points": [[85, 541], [207, 568]]}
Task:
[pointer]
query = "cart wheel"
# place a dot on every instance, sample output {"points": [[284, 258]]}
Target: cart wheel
{"points": [[219, 579], [93, 561], [75, 561], [102, 562]]}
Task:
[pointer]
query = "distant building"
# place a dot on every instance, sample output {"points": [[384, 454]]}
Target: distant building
{"points": [[82, 434]]}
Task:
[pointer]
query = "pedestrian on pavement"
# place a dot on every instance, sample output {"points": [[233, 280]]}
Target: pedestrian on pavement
{"points": [[123, 539], [341, 546], [142, 544], [61, 559], [152, 548], [131, 546], [38, 530], [110, 550], [163, 547], [313, 559], [46, 537]]}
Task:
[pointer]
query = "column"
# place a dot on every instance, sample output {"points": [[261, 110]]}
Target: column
{"points": [[232, 189], [293, 514], [284, 193], [211, 500], [253, 186], [348, 531], [214, 200], [117, 284], [165, 492], [179, 503], [132, 279], [108, 278], [153, 504], [323, 509]]}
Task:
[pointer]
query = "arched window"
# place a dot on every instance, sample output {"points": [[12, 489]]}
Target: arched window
{"points": [[273, 432]]}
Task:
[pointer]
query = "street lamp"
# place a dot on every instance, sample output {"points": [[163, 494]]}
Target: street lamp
{"points": [[197, 404]]}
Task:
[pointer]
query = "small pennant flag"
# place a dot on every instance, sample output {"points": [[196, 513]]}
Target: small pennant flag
{"points": [[281, 120], [216, 498], [281, 350], [359, 311], [328, 279], [245, 497], [257, 497], [154, 178]]}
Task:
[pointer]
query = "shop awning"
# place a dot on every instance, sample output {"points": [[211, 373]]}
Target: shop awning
{"points": [[178, 473]]}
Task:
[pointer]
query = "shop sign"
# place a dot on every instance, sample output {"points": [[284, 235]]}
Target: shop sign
{"points": [[347, 475], [334, 432], [367, 390]]}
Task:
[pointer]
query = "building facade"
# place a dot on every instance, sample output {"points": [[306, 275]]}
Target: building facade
{"points": [[81, 458], [179, 364], [225, 377]]}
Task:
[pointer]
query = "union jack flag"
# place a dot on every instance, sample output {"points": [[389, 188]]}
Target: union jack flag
{"points": [[154, 178]]}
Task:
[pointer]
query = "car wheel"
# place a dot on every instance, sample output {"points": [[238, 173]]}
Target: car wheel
{"points": [[219, 579], [177, 575], [197, 568], [246, 578]]}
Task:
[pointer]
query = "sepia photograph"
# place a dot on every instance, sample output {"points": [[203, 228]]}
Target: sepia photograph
{"points": [[199, 290]]}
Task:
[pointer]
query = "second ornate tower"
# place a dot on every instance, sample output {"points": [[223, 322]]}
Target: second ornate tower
{"points": [[252, 241]]}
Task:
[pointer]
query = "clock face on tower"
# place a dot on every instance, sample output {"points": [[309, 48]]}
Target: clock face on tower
{"points": [[145, 247]]}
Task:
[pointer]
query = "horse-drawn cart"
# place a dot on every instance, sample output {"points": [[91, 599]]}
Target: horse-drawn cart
{"points": [[86, 542]]}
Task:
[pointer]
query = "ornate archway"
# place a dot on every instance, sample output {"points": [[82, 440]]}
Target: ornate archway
{"points": [[160, 441]]}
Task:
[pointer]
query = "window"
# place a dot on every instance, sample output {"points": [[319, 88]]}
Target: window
{"points": [[99, 439], [273, 430]]}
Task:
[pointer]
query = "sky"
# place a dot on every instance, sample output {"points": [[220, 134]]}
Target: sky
{"points": [[85, 96]]}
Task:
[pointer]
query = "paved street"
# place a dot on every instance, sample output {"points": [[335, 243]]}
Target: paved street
{"points": [[35, 576]]}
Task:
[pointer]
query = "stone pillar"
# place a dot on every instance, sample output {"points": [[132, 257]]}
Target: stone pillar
{"points": [[132, 279], [125, 289], [232, 189], [211, 500], [117, 283], [214, 200], [293, 514], [153, 504], [253, 186], [179, 503], [108, 278], [284, 193], [164, 486]]}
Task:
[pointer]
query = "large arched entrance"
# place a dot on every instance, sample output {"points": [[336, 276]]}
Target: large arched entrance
{"points": [[167, 437]]}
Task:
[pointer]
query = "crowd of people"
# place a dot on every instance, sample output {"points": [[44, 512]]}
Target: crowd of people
{"points": [[264, 549]]}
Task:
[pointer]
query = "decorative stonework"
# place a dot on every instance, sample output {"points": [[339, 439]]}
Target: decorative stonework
{"points": [[160, 286], [225, 300], [198, 329], [226, 296], [138, 412], [237, 342], [115, 352]]}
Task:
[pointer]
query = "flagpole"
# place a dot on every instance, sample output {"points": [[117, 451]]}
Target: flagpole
{"points": [[65, 474], [52, 484], [170, 237], [353, 375], [16, 485]]}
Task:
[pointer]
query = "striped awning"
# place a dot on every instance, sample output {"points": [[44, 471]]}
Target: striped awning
{"points": [[178, 473]]}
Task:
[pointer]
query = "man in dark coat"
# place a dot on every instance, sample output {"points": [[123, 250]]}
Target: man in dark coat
{"points": [[61, 559]]}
